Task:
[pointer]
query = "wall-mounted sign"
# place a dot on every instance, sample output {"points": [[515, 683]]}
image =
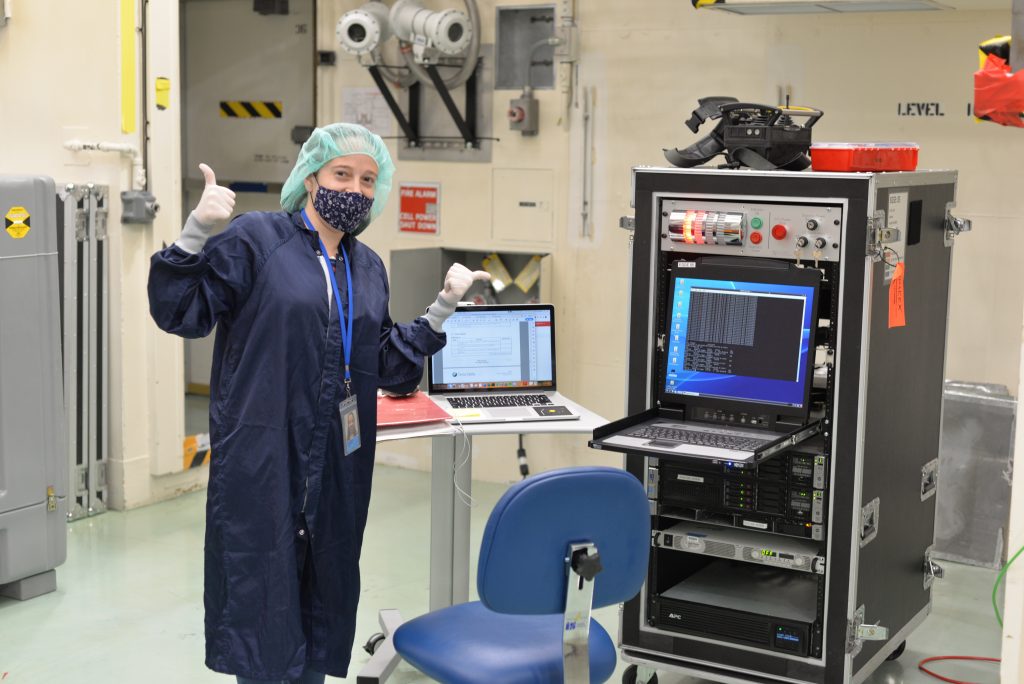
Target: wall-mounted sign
{"points": [[419, 207]]}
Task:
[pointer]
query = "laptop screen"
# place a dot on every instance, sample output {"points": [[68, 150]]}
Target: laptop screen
{"points": [[739, 341], [496, 347]]}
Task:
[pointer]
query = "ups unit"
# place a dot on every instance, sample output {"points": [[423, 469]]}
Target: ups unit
{"points": [[786, 352]]}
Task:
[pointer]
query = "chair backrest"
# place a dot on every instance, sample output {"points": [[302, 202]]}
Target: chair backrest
{"points": [[522, 566]]}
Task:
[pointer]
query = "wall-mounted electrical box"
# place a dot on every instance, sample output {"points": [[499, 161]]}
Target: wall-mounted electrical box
{"points": [[519, 30]]}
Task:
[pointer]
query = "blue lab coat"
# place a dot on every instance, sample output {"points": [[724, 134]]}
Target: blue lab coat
{"points": [[281, 489]]}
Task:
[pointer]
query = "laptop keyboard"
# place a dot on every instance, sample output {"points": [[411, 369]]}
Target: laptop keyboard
{"points": [[698, 438], [499, 401]]}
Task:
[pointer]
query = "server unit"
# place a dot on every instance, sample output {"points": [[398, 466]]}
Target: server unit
{"points": [[808, 561], [33, 442]]}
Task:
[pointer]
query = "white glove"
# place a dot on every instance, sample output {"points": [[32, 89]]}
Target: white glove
{"points": [[456, 283], [214, 206]]}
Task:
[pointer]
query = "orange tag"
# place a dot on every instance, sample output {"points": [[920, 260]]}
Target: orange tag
{"points": [[897, 309]]}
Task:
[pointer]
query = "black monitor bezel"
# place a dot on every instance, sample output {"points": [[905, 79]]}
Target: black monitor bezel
{"points": [[550, 308], [769, 272]]}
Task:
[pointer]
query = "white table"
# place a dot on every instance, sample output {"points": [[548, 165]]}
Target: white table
{"points": [[449, 513]]}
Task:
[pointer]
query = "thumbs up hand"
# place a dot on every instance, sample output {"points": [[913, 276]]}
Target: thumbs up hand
{"points": [[214, 206], [217, 202], [458, 281]]}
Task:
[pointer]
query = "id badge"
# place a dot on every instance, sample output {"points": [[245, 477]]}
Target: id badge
{"points": [[349, 412]]}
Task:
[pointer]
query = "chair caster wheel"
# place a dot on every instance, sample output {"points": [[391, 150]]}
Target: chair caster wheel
{"points": [[374, 642], [630, 676], [898, 652]]}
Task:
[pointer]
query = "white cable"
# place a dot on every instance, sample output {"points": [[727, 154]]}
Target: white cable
{"points": [[464, 496]]}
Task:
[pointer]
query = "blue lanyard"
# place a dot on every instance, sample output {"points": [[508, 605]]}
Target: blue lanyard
{"points": [[346, 329]]}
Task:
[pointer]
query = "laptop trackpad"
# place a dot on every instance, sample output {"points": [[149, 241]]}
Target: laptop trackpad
{"points": [[512, 412]]}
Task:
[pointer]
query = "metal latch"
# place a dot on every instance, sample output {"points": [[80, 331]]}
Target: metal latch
{"points": [[869, 521], [857, 632], [627, 222], [954, 225], [932, 570], [929, 479], [879, 235], [51, 499]]}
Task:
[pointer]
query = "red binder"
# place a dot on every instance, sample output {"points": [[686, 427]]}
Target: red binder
{"points": [[412, 410]]}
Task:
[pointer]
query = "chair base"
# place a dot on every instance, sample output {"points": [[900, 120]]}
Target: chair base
{"points": [[384, 659]]}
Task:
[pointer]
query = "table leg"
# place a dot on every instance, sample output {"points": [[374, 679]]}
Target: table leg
{"points": [[449, 520]]}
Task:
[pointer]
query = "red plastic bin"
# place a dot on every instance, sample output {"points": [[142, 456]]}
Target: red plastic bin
{"points": [[864, 156]]}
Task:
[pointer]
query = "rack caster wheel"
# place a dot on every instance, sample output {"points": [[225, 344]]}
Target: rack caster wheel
{"points": [[630, 676], [898, 652], [374, 642]]}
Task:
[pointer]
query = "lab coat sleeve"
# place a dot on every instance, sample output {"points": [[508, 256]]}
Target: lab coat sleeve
{"points": [[403, 347], [190, 293]]}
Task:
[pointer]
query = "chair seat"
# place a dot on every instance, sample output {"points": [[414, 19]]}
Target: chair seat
{"points": [[469, 644]]}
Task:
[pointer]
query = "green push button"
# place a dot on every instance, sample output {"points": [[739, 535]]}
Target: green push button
{"points": [[756, 223]]}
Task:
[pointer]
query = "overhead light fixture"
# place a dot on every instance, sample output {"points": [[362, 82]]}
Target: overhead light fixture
{"points": [[818, 6]]}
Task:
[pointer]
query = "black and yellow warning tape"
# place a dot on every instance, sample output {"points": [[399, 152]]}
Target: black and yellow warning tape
{"points": [[251, 109]]}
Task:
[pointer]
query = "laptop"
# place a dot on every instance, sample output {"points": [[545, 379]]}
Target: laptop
{"points": [[735, 362], [498, 365]]}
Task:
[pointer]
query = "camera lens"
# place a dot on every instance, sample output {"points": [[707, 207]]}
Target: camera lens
{"points": [[455, 32], [357, 32]]}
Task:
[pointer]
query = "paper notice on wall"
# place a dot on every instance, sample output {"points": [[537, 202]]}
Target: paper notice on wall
{"points": [[367, 107]]}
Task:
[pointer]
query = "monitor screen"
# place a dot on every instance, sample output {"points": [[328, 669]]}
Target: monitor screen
{"points": [[489, 349], [739, 341]]}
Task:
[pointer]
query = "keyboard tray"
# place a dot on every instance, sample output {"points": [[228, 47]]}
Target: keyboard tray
{"points": [[625, 425]]}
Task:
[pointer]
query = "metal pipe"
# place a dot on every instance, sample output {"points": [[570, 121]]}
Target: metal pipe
{"points": [[543, 42], [468, 66], [124, 149]]}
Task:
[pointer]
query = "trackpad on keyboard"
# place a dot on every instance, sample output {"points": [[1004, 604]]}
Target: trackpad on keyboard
{"points": [[662, 444], [511, 412]]}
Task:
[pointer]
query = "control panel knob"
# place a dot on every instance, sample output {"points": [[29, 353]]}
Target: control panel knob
{"points": [[820, 243], [802, 241], [812, 224], [779, 231]]}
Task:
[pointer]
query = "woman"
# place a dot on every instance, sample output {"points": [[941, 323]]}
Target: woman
{"points": [[303, 342]]}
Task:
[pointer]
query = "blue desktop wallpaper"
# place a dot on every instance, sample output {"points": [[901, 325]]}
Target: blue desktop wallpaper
{"points": [[733, 387]]}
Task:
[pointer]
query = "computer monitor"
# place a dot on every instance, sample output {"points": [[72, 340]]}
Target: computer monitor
{"points": [[740, 337], [508, 347]]}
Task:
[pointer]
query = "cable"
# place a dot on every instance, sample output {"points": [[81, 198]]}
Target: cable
{"points": [[922, 668], [999, 578], [889, 263], [464, 496]]}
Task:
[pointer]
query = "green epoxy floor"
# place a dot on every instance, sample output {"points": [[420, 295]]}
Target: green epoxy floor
{"points": [[128, 607]]}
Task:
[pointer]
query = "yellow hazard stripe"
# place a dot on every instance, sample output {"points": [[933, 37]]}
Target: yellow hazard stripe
{"points": [[251, 109], [704, 3]]}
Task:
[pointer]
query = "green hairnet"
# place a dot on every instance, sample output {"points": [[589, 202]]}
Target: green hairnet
{"points": [[332, 141]]}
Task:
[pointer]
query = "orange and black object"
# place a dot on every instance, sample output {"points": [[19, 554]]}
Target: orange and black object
{"points": [[998, 93]]}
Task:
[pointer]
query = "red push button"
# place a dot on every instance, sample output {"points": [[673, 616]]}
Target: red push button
{"points": [[779, 231], [755, 238]]}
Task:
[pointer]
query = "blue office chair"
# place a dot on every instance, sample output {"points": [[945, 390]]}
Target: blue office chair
{"points": [[556, 545]]}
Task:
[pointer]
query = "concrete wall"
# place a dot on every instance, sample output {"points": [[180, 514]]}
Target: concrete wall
{"points": [[644, 69], [61, 67]]}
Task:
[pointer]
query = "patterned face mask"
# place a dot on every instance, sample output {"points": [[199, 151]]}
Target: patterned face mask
{"points": [[342, 211]]}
